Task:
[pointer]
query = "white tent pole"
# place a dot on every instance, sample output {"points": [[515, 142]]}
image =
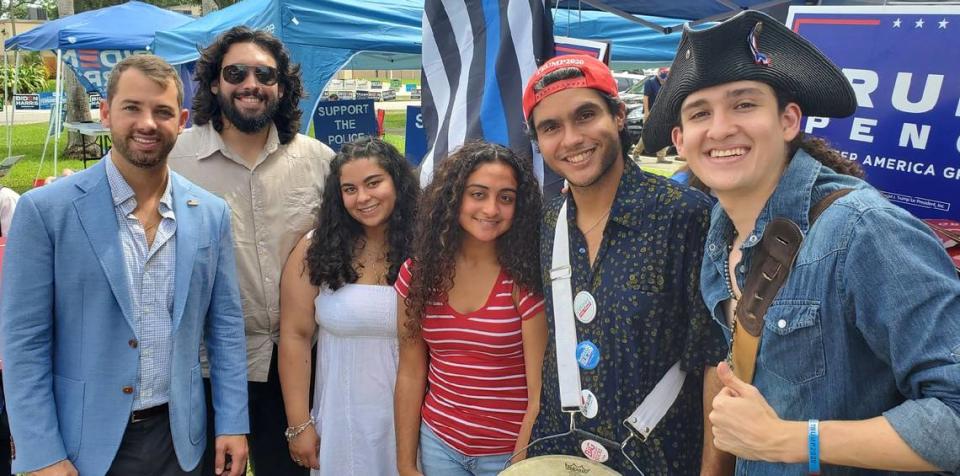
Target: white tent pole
{"points": [[51, 122], [8, 119], [59, 110], [13, 110]]}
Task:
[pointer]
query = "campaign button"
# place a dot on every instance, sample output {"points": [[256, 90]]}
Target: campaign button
{"points": [[594, 451], [588, 355], [585, 307], [588, 404]]}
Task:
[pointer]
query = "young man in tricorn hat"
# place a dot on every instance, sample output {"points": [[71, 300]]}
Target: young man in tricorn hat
{"points": [[855, 366]]}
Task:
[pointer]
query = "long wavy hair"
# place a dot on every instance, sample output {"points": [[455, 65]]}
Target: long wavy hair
{"points": [[206, 107], [338, 237], [818, 148], [439, 236]]}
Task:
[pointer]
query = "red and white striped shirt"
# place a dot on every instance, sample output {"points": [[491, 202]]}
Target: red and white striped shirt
{"points": [[477, 393]]}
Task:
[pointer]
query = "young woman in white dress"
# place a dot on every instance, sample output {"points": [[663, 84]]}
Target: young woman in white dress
{"points": [[338, 280]]}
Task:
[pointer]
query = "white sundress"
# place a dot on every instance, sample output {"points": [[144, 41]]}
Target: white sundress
{"points": [[357, 354]]}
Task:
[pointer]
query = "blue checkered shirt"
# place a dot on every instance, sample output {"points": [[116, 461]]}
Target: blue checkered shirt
{"points": [[150, 273]]}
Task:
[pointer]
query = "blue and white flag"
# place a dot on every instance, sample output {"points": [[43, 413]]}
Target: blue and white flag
{"points": [[477, 57]]}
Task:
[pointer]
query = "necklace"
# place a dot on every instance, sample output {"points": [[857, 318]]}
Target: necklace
{"points": [[597, 223], [148, 228], [726, 274]]}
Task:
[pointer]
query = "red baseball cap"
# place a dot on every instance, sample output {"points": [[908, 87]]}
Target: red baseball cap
{"points": [[596, 75]]}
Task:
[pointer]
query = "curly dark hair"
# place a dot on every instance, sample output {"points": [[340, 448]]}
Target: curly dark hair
{"points": [[338, 236], [817, 148], [438, 234], [206, 107]]}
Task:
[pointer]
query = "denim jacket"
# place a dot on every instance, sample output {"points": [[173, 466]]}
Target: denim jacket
{"points": [[867, 324]]}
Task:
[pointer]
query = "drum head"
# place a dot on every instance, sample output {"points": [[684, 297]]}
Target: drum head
{"points": [[559, 465]]}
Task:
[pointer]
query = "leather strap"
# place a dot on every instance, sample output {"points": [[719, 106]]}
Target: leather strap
{"points": [[825, 203], [768, 273]]}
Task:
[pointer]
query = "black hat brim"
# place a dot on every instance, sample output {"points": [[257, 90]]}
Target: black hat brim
{"points": [[722, 54]]}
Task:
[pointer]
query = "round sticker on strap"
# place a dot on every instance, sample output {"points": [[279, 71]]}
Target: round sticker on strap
{"points": [[594, 451], [588, 355], [585, 307], [588, 404]]}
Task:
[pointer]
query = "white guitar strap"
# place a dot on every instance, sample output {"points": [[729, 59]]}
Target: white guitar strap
{"points": [[656, 404]]}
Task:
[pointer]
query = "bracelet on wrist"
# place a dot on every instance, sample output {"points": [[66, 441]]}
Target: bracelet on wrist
{"points": [[813, 446], [294, 431]]}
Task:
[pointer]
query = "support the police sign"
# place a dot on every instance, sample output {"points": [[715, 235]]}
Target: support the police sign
{"points": [[904, 65], [337, 122]]}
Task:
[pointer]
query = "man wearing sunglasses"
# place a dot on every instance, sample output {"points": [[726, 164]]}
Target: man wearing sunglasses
{"points": [[244, 147]]}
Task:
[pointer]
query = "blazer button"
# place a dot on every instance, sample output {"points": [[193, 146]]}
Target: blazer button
{"points": [[133, 343], [127, 390]]}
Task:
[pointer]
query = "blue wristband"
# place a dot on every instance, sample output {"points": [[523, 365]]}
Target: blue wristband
{"points": [[813, 444]]}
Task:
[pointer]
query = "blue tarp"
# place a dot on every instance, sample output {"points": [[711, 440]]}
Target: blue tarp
{"points": [[322, 35], [683, 9], [93, 42], [128, 26], [327, 35], [632, 45]]}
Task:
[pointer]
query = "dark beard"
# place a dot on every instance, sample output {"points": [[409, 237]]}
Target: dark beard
{"points": [[141, 160], [247, 124]]}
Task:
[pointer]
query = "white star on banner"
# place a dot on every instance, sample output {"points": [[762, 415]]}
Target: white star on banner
{"points": [[918, 23], [943, 23], [896, 23]]}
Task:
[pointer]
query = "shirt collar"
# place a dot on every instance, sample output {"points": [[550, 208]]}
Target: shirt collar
{"points": [[627, 209], [624, 209], [123, 195], [211, 142], [791, 200]]}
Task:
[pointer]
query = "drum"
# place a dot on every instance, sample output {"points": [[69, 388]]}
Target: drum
{"points": [[558, 465]]}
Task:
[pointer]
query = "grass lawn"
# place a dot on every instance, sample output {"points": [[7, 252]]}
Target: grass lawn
{"points": [[656, 171], [28, 141]]}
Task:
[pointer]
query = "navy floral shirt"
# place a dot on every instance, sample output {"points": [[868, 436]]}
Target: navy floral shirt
{"points": [[645, 280]]}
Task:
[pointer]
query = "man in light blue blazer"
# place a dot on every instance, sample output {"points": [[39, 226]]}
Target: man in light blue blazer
{"points": [[112, 277]]}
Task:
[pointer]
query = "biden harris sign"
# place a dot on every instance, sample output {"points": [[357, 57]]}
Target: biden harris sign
{"points": [[904, 65]]}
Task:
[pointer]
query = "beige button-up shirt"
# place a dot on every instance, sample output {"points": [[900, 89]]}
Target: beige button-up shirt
{"points": [[273, 205]]}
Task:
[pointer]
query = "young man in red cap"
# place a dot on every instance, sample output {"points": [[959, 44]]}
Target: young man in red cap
{"points": [[850, 364], [630, 310]]}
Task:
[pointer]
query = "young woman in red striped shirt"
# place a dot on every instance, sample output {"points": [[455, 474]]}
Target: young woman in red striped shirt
{"points": [[471, 318]]}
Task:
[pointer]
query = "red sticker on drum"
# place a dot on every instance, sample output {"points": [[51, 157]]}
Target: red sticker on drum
{"points": [[594, 451]]}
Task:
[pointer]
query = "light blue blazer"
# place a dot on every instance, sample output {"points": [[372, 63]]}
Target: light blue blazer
{"points": [[67, 325]]}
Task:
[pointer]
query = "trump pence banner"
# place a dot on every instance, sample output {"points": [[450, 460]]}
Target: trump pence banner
{"points": [[904, 65]]}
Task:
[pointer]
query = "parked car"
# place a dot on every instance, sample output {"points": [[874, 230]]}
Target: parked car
{"points": [[627, 80], [635, 122], [633, 96]]}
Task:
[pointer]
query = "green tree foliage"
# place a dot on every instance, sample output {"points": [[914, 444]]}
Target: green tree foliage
{"points": [[84, 5], [30, 77]]}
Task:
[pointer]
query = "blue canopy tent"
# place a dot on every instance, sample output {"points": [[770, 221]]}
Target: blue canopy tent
{"points": [[92, 42], [688, 11], [322, 35], [325, 36], [126, 28], [632, 47]]}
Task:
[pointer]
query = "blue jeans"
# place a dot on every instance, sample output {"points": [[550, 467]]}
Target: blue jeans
{"points": [[438, 459]]}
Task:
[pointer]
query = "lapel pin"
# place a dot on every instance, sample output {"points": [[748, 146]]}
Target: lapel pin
{"points": [[193, 202]]}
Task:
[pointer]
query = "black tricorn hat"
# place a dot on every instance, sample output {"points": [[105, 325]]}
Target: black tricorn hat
{"points": [[749, 46]]}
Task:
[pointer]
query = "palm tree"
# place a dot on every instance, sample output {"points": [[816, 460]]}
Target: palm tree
{"points": [[77, 105]]}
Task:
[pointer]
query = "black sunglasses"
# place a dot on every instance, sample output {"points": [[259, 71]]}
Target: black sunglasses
{"points": [[237, 73]]}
